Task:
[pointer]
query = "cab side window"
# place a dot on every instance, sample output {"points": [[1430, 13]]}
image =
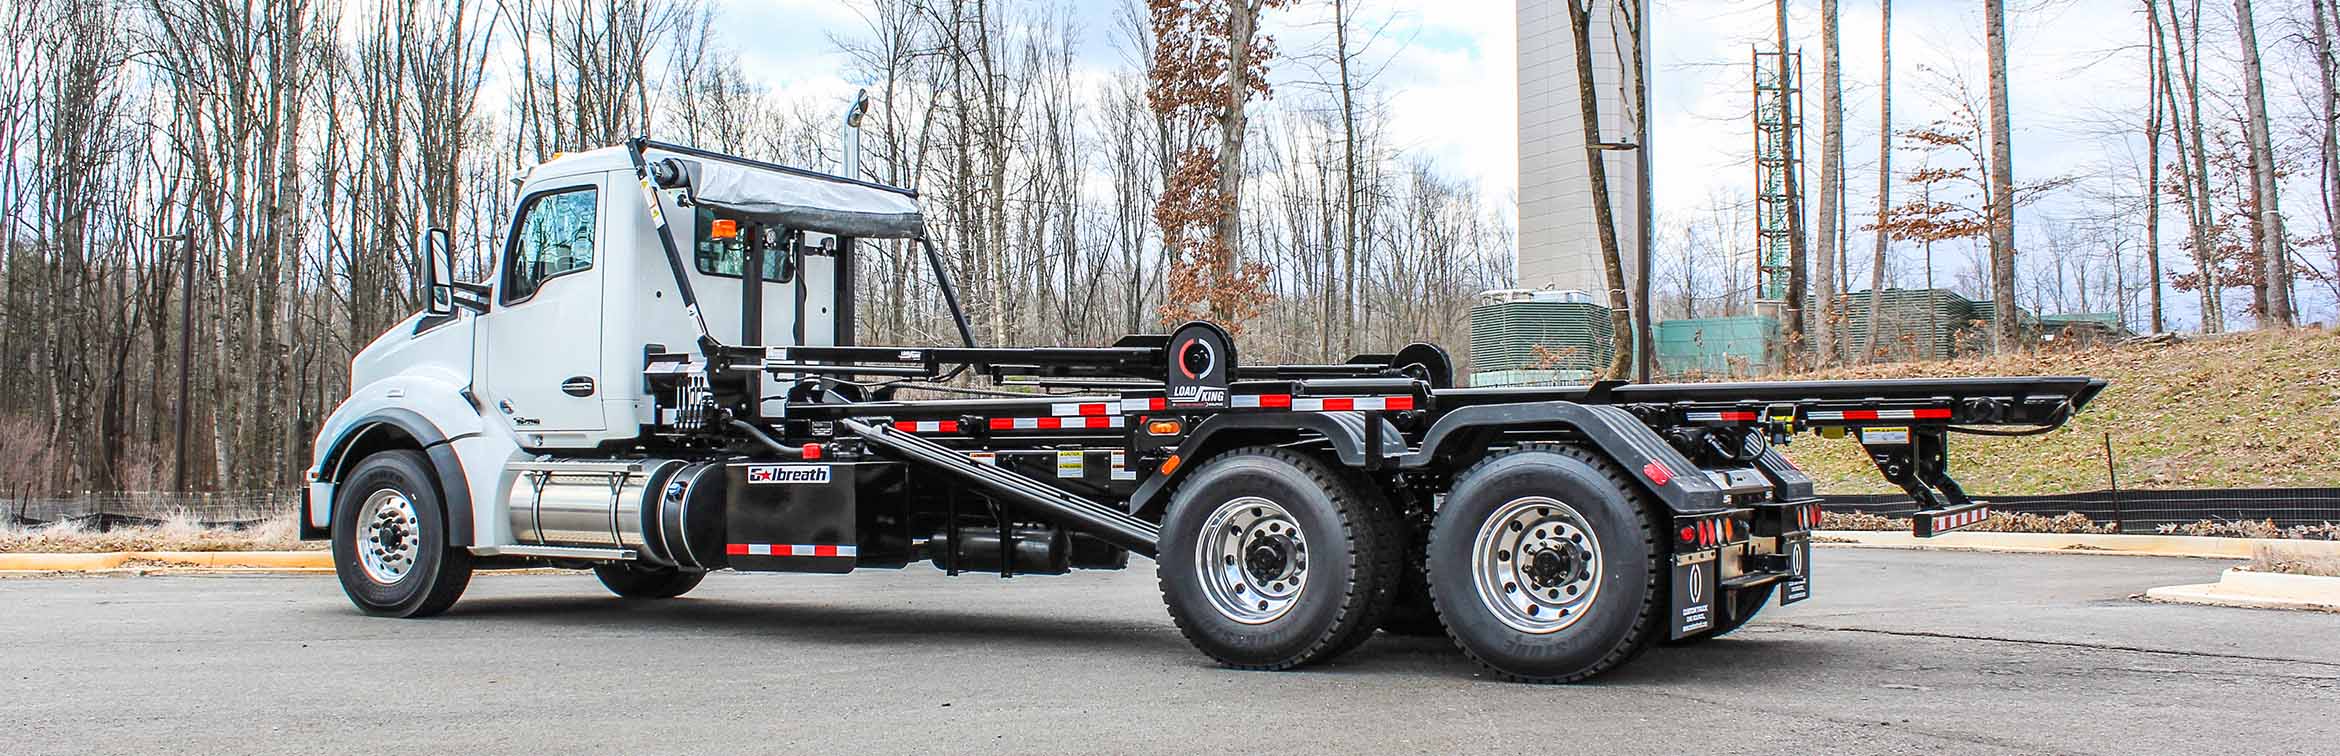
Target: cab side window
{"points": [[724, 257], [554, 237]]}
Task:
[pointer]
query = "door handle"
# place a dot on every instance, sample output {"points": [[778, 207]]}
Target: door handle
{"points": [[578, 386]]}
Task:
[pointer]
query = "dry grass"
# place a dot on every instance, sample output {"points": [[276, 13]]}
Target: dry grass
{"points": [[2276, 559], [2250, 410], [177, 533], [2253, 529]]}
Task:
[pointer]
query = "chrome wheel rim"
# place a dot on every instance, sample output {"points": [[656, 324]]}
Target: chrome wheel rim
{"points": [[1536, 564], [1252, 560], [389, 536]]}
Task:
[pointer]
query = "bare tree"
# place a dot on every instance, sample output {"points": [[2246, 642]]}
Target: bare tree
{"points": [[1884, 170], [2153, 128], [2272, 258], [1831, 184], [1597, 180], [2005, 327]]}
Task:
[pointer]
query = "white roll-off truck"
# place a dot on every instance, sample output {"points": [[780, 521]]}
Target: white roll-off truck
{"points": [[659, 379]]}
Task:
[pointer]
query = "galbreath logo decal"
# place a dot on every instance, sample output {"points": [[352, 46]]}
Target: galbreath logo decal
{"points": [[788, 474]]}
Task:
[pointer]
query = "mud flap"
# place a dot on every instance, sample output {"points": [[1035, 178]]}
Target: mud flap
{"points": [[1695, 586], [1798, 585]]}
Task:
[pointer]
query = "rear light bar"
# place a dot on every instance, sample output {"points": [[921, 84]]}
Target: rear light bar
{"points": [[1701, 532]]}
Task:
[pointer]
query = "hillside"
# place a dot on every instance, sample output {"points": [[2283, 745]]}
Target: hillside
{"points": [[2248, 410]]}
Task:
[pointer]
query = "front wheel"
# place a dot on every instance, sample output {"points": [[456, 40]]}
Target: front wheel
{"points": [[1272, 559], [1543, 565], [390, 545]]}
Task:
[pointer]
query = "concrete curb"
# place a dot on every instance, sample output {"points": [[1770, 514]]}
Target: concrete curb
{"points": [[2257, 590], [265, 560], [2060, 543]]}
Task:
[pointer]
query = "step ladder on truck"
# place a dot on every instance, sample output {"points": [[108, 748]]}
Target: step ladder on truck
{"points": [[660, 379]]}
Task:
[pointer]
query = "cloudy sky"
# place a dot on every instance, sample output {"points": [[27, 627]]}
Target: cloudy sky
{"points": [[1452, 82]]}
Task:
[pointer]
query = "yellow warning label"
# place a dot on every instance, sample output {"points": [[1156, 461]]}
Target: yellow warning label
{"points": [[1885, 435], [1069, 463]]}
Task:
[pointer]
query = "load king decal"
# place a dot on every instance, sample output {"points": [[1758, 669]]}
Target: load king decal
{"points": [[788, 474]]}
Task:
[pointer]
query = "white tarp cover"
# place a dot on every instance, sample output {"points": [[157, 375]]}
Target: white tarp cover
{"points": [[805, 202]]}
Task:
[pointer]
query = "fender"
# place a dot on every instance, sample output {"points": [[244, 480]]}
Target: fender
{"points": [[1348, 432], [426, 405], [1648, 459], [454, 487]]}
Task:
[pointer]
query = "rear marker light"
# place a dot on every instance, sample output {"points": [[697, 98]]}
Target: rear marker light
{"points": [[1689, 533], [1163, 427], [812, 451], [1657, 473]]}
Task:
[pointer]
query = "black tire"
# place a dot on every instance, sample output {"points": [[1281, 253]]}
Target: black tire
{"points": [[1747, 603], [1621, 604], [1345, 579], [633, 582], [427, 575]]}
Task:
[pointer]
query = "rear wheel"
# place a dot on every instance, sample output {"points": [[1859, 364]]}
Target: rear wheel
{"points": [[1272, 559], [390, 545], [1543, 565], [636, 582]]}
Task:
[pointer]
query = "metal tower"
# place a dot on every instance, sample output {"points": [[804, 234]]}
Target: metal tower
{"points": [[1779, 196]]}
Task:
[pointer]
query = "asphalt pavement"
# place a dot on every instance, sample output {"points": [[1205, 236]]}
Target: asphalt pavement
{"points": [[1898, 652]]}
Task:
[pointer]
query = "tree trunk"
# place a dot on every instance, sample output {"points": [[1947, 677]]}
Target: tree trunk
{"points": [[1798, 280], [2002, 212], [1884, 171], [1825, 273], [2153, 124], [2327, 122], [2274, 270], [2190, 141], [1597, 173], [1345, 303], [1234, 124]]}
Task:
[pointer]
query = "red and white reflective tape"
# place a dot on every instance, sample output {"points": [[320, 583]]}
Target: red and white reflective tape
{"points": [[1721, 417], [1084, 408], [1322, 403], [1930, 413], [1155, 404], [927, 426], [1056, 423], [1957, 520], [792, 550]]}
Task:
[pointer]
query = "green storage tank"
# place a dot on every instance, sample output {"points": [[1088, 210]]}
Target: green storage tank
{"points": [[1745, 345], [1538, 337]]}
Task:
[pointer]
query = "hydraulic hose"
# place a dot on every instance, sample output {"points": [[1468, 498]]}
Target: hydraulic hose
{"points": [[766, 439]]}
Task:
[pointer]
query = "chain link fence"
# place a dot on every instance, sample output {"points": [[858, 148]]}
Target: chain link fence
{"points": [[223, 509]]}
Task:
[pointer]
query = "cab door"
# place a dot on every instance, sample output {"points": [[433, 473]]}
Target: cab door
{"points": [[542, 352]]}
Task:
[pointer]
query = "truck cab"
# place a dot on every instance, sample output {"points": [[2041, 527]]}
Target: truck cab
{"points": [[545, 356]]}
